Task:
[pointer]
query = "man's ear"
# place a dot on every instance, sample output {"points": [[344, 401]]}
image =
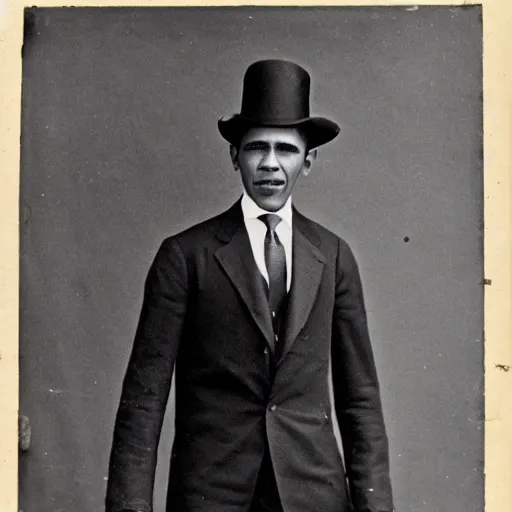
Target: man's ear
{"points": [[234, 156], [308, 161]]}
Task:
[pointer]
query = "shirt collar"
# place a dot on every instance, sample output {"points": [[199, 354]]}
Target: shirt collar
{"points": [[252, 211]]}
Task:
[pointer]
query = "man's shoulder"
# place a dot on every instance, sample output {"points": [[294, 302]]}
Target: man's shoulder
{"points": [[324, 234], [333, 245], [198, 233]]}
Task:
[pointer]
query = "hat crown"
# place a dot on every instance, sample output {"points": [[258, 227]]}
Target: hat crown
{"points": [[275, 91]]}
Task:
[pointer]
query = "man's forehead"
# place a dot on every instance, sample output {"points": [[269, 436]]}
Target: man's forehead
{"points": [[272, 135]]}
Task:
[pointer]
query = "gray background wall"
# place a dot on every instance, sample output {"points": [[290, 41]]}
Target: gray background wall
{"points": [[120, 149]]}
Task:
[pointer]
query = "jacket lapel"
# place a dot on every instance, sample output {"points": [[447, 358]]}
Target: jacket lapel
{"points": [[308, 264], [236, 258]]}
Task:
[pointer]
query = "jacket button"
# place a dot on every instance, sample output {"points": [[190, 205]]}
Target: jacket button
{"points": [[273, 408]]}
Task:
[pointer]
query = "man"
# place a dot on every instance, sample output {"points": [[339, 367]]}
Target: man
{"points": [[254, 306]]}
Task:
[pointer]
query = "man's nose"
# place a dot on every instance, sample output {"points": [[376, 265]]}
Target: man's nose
{"points": [[269, 162]]}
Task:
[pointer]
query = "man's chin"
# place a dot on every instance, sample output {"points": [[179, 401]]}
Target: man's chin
{"points": [[270, 204]]}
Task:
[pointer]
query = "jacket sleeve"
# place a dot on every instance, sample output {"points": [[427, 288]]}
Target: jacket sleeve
{"points": [[147, 383], [356, 393]]}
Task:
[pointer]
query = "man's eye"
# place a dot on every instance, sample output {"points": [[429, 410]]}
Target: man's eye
{"points": [[254, 147], [287, 148]]}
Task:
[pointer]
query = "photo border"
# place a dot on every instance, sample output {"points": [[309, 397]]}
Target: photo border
{"points": [[497, 88]]}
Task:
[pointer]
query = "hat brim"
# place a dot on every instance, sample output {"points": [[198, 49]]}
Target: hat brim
{"points": [[318, 130]]}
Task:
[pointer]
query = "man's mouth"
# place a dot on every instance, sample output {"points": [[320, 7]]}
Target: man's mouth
{"points": [[269, 183], [269, 187]]}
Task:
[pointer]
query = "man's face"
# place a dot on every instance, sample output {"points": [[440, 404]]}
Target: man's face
{"points": [[270, 161]]}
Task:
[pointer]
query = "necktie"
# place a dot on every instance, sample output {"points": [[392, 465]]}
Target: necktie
{"points": [[275, 259]]}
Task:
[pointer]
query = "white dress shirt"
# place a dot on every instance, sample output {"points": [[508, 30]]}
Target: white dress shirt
{"points": [[257, 230]]}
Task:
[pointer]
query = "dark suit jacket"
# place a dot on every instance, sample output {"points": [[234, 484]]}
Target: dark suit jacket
{"points": [[205, 307]]}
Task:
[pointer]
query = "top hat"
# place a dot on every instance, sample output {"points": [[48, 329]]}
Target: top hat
{"points": [[276, 93]]}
